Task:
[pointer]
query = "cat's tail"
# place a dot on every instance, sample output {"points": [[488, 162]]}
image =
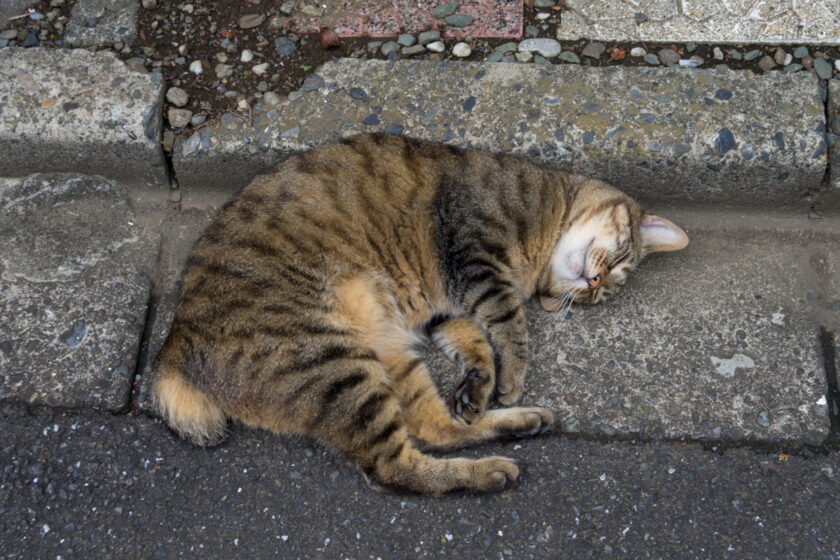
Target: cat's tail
{"points": [[187, 410]]}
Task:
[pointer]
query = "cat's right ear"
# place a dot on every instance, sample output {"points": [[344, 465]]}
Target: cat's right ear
{"points": [[659, 234]]}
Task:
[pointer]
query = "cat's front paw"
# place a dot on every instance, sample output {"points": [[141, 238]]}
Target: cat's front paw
{"points": [[510, 385], [471, 396]]}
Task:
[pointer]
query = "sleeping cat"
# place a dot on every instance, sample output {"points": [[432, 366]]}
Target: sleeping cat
{"points": [[303, 303]]}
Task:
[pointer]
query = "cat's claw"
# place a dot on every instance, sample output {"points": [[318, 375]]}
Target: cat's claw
{"points": [[470, 398]]}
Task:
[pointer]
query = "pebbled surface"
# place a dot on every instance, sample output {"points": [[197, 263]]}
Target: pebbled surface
{"points": [[663, 134], [99, 485]]}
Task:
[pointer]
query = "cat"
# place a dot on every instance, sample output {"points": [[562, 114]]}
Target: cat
{"points": [[303, 303]]}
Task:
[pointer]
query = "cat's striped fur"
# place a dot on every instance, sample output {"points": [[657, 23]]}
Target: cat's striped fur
{"points": [[302, 304]]}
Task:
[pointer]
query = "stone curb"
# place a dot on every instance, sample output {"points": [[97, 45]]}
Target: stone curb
{"points": [[74, 288], [79, 111], [705, 136]]}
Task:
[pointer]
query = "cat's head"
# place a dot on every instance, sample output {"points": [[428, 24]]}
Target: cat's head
{"points": [[608, 234]]}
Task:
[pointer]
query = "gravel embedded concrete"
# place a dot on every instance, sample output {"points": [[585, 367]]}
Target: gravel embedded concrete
{"points": [[82, 112], [102, 23], [74, 287], [692, 135]]}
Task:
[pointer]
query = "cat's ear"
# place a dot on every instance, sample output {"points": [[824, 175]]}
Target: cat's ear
{"points": [[659, 234]]}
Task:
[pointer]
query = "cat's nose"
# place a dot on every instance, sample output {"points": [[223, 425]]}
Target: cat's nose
{"points": [[594, 282]]}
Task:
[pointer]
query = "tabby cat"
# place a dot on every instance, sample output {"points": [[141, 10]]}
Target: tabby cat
{"points": [[303, 303]]}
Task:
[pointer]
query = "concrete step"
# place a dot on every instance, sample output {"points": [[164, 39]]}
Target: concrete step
{"points": [[666, 21], [719, 342], [82, 112], [75, 282], [690, 135]]}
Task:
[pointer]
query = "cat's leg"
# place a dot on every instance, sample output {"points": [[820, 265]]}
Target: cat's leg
{"points": [[360, 413], [429, 420], [462, 338], [497, 309]]}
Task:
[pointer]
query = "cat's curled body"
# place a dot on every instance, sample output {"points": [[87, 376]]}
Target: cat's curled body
{"points": [[303, 302]]}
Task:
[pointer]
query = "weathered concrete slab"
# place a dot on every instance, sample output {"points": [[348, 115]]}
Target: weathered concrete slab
{"points": [[180, 231], [74, 286], [102, 23], [79, 111], [816, 22], [720, 341], [667, 134], [831, 198]]}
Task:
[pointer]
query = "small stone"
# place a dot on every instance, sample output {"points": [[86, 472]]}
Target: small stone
{"points": [[260, 69], [691, 62], [540, 60], [271, 99], [788, 59], [198, 119], [717, 53], [507, 47], [249, 21], [495, 57], [373, 45], [389, 47], [147, 4], [436, 46], [242, 105], [284, 46], [406, 39], [458, 20], [246, 56], [462, 50], [543, 3], [594, 50], [690, 47], [823, 68], [31, 40], [545, 47], [766, 63], [524, 56], [669, 57], [837, 64], [652, 59], [196, 67], [735, 54], [532, 31], [800, 52], [179, 118], [312, 82], [638, 52], [791, 68], [222, 56], [223, 71], [441, 12], [428, 36], [177, 96], [779, 56], [415, 49], [357, 93], [8, 34], [569, 56], [752, 55]]}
